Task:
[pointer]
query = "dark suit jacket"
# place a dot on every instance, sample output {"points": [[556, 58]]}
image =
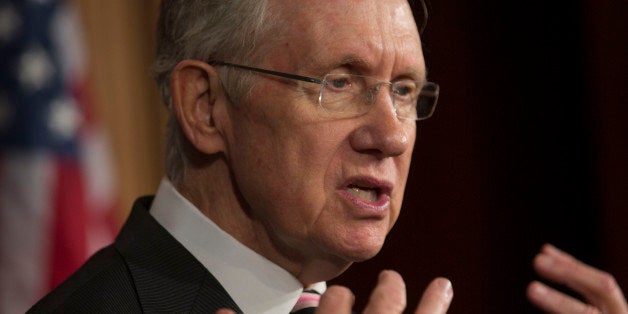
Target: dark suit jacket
{"points": [[144, 270]]}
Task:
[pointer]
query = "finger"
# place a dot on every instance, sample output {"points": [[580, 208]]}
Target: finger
{"points": [[336, 299], [225, 311], [598, 287], [436, 298], [389, 296], [552, 301]]}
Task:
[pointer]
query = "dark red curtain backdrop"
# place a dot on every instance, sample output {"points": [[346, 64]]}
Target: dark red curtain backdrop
{"points": [[529, 144]]}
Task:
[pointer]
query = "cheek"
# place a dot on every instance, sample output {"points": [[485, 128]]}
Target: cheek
{"points": [[309, 167], [282, 167]]}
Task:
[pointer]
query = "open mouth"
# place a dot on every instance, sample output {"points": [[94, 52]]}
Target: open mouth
{"points": [[368, 194], [367, 190]]}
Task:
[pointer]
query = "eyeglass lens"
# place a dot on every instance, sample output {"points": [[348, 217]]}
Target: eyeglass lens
{"points": [[353, 94]]}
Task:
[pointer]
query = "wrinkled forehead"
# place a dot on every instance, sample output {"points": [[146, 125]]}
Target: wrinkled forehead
{"points": [[369, 32]]}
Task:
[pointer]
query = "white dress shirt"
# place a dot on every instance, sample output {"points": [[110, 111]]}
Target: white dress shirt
{"points": [[255, 283]]}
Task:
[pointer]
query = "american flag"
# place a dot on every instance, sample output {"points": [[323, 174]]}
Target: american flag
{"points": [[56, 194]]}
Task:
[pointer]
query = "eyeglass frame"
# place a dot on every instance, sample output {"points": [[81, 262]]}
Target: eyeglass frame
{"points": [[322, 81]]}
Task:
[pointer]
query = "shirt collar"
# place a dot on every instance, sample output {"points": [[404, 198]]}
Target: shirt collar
{"points": [[255, 283]]}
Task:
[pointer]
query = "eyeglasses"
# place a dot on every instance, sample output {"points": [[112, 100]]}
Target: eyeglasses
{"points": [[352, 95]]}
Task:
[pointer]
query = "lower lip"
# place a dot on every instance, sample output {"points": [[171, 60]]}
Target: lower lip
{"points": [[377, 208]]}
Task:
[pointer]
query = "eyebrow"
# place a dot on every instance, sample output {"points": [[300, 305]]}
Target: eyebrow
{"points": [[420, 76], [353, 61]]}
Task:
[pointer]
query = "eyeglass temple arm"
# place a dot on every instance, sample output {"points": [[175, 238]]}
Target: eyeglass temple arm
{"points": [[275, 73]]}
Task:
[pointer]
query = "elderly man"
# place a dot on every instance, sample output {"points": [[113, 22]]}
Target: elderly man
{"points": [[291, 134], [290, 138]]}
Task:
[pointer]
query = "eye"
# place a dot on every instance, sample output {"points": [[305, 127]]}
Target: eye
{"points": [[405, 88], [339, 82]]}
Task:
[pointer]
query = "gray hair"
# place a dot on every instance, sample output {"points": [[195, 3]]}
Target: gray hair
{"points": [[206, 30], [211, 30]]}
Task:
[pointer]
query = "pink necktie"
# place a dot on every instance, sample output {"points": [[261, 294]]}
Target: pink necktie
{"points": [[307, 303]]}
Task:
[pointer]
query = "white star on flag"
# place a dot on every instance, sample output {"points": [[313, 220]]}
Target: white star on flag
{"points": [[9, 22], [35, 69]]}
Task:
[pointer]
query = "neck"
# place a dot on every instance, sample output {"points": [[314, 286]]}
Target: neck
{"points": [[212, 190]]}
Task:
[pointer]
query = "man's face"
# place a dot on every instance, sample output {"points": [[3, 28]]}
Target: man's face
{"points": [[317, 186]]}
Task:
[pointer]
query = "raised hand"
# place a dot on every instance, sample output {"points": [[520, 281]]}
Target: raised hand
{"points": [[599, 289], [389, 296]]}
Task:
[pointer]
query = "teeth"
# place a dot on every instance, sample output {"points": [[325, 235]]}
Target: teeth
{"points": [[365, 194]]}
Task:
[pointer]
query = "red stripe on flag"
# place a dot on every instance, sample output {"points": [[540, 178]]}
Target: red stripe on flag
{"points": [[69, 243]]}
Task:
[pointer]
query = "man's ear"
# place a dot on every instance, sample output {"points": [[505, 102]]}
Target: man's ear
{"points": [[195, 92]]}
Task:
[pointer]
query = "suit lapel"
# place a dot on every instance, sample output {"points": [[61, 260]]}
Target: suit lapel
{"points": [[167, 277]]}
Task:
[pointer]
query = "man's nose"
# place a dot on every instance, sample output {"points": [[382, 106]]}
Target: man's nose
{"points": [[381, 132]]}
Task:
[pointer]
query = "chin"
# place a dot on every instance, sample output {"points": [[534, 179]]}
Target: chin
{"points": [[362, 251], [364, 255], [353, 244]]}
